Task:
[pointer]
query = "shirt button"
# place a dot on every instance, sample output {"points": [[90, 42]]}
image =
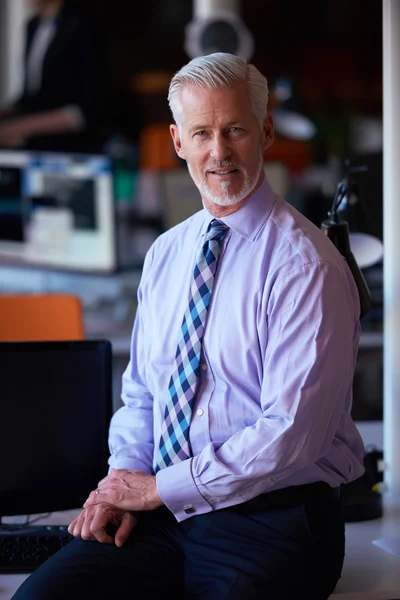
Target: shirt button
{"points": [[200, 412], [204, 367]]}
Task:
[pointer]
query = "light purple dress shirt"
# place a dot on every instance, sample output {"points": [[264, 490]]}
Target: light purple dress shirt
{"points": [[279, 352]]}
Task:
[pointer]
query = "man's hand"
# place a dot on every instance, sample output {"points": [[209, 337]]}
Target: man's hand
{"points": [[91, 524], [127, 490], [14, 133], [17, 130]]}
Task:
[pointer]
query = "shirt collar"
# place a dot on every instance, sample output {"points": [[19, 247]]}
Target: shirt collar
{"points": [[250, 218]]}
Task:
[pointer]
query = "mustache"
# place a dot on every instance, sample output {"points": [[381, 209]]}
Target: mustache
{"points": [[221, 164]]}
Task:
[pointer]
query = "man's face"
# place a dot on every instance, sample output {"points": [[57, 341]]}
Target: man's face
{"points": [[222, 142]]}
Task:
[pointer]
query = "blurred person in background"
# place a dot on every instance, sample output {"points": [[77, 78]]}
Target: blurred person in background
{"points": [[63, 98]]}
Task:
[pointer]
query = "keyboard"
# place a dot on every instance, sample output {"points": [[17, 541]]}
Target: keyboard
{"points": [[24, 548]]}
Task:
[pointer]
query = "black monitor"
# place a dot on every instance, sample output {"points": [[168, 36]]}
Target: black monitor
{"points": [[55, 410]]}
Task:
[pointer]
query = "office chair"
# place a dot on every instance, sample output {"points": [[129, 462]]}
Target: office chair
{"points": [[41, 317]]}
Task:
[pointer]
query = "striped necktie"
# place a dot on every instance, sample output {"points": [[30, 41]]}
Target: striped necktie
{"points": [[174, 440]]}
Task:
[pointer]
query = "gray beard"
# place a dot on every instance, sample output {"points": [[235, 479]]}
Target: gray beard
{"points": [[226, 199]]}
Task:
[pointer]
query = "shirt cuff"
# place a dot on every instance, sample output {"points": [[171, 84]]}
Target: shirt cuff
{"points": [[178, 491], [128, 463]]}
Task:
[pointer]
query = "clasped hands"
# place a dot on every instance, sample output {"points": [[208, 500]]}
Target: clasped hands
{"points": [[115, 501]]}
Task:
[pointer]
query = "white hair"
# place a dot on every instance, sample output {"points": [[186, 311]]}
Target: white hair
{"points": [[215, 71]]}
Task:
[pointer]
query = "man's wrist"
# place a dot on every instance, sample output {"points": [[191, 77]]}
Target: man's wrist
{"points": [[154, 500]]}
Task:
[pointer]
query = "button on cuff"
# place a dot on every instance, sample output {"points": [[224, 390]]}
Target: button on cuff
{"points": [[189, 510], [178, 491]]}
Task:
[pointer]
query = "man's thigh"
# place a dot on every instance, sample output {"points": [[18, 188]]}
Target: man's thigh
{"points": [[149, 563], [269, 555]]}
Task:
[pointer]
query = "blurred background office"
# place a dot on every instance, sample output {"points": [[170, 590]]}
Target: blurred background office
{"points": [[61, 105], [88, 174]]}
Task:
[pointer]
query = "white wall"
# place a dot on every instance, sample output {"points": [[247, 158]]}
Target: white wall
{"points": [[391, 216]]}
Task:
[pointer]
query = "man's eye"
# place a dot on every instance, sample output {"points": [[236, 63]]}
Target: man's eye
{"points": [[201, 133]]}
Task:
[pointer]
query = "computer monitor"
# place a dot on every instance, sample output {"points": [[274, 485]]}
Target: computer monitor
{"points": [[57, 210], [55, 409]]}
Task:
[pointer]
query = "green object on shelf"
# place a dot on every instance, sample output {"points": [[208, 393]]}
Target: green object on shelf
{"points": [[125, 180]]}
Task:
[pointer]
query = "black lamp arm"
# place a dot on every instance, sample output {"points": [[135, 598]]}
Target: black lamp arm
{"points": [[338, 232], [341, 191]]}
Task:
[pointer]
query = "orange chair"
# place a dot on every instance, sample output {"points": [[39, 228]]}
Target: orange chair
{"points": [[40, 317]]}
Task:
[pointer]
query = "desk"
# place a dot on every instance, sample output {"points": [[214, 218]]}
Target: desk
{"points": [[369, 572]]}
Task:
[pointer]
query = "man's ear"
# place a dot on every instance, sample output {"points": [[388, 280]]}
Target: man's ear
{"points": [[176, 138], [268, 130]]}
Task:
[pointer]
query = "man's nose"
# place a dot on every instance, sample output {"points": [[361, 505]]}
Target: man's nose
{"points": [[220, 149]]}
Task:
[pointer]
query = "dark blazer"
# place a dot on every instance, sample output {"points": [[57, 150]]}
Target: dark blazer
{"points": [[73, 74]]}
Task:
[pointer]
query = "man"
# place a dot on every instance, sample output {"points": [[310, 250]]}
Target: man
{"points": [[227, 457], [62, 103]]}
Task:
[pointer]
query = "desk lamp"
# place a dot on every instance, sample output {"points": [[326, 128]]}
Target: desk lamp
{"points": [[361, 501], [217, 26], [337, 230]]}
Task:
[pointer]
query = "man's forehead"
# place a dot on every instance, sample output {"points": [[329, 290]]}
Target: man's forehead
{"points": [[227, 101]]}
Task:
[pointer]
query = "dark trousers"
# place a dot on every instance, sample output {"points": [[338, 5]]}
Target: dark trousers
{"points": [[278, 553]]}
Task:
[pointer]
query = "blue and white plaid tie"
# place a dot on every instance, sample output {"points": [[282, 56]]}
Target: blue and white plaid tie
{"points": [[174, 441]]}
